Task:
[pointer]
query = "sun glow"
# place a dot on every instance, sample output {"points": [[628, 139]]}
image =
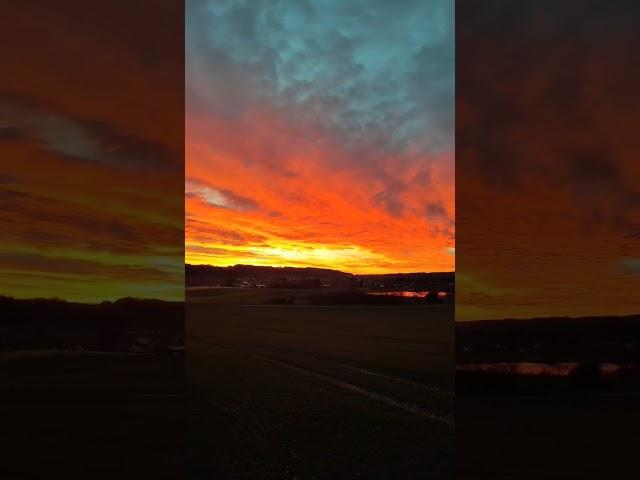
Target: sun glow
{"points": [[352, 258]]}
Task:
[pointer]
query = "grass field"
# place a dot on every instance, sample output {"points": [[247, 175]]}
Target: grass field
{"points": [[237, 296], [310, 392], [91, 415], [572, 437]]}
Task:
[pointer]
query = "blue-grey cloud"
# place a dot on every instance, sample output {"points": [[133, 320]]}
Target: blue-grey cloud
{"points": [[87, 140], [372, 71]]}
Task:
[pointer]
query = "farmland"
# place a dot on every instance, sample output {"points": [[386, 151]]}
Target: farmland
{"points": [[97, 415], [576, 437], [314, 392], [76, 399]]}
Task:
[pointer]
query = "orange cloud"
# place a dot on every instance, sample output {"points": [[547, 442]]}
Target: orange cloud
{"points": [[264, 191], [323, 138]]}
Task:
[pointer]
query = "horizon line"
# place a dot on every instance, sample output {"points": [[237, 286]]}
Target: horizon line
{"points": [[317, 268]]}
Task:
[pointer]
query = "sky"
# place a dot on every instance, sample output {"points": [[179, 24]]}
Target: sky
{"points": [[547, 165], [91, 151], [320, 133]]}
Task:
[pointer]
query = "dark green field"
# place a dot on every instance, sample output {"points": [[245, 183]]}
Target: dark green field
{"points": [[311, 392], [91, 415], [236, 296], [572, 437]]}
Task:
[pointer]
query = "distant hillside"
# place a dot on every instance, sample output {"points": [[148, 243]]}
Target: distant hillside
{"points": [[293, 277], [110, 326], [561, 339], [439, 277], [194, 272]]}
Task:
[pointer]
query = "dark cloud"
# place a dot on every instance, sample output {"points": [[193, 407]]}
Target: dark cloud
{"points": [[42, 264], [435, 210], [390, 201], [204, 232], [579, 20], [11, 133], [351, 69], [630, 265], [42, 222], [73, 138]]}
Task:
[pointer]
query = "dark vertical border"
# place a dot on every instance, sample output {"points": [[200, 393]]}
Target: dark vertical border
{"points": [[547, 239], [92, 239]]}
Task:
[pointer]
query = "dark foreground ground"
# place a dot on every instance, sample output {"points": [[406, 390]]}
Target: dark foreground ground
{"points": [[310, 392], [91, 415], [520, 427], [536, 437]]}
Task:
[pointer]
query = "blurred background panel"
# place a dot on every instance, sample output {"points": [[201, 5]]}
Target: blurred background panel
{"points": [[548, 221], [91, 137], [92, 238]]}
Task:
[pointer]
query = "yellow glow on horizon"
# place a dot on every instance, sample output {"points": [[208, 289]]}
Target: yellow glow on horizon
{"points": [[350, 259]]}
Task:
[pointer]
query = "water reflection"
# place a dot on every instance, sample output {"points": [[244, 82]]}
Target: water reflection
{"points": [[407, 294], [561, 369]]}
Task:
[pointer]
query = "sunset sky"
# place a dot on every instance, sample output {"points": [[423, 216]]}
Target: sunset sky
{"points": [[91, 184], [547, 164], [320, 133]]}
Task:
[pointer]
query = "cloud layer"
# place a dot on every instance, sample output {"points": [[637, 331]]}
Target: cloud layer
{"points": [[320, 133]]}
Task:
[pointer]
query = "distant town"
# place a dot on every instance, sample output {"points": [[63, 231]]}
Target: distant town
{"points": [[440, 284]]}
